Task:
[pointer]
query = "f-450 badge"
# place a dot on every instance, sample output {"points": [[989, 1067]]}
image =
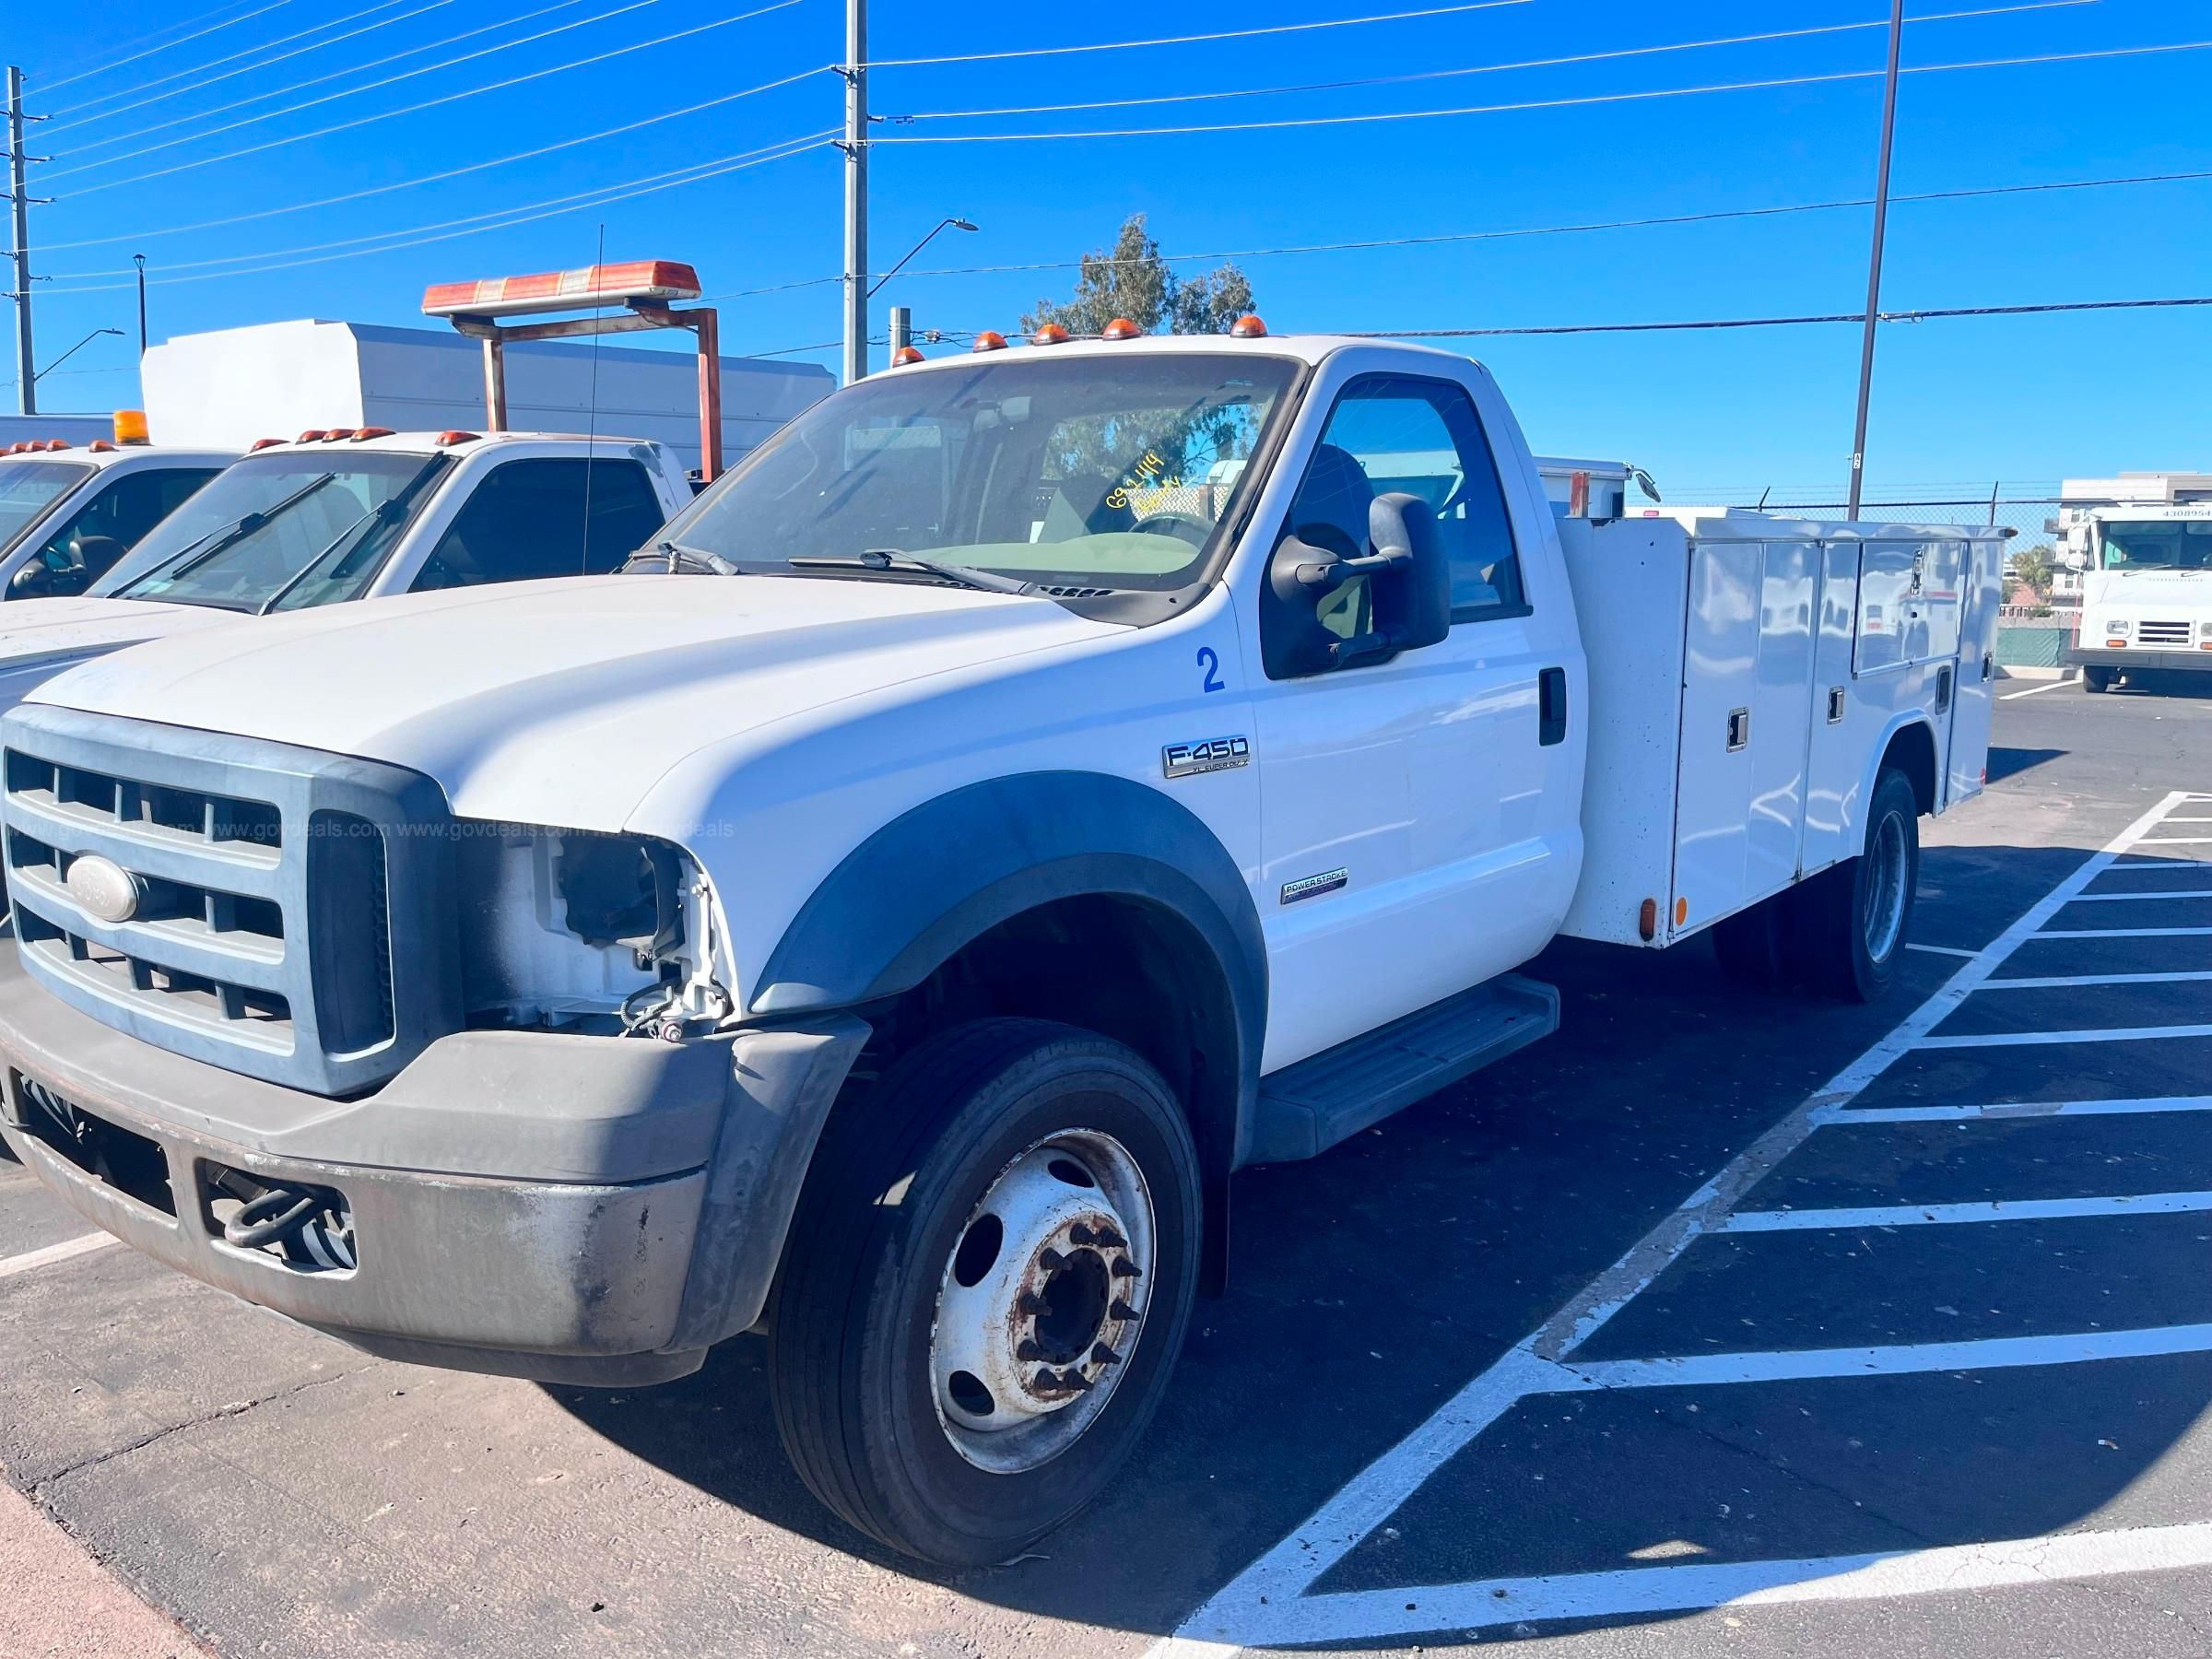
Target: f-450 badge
{"points": [[1216, 754]]}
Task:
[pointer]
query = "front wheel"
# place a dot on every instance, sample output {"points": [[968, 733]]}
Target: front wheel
{"points": [[1848, 924], [985, 1287], [2096, 679]]}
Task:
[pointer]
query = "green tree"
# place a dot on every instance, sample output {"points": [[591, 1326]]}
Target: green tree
{"points": [[1134, 281], [2035, 567]]}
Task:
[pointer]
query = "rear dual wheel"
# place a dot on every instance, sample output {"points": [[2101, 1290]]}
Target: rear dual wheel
{"points": [[985, 1287]]}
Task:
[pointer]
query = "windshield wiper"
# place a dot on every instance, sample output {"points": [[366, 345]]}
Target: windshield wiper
{"points": [[198, 553], [896, 562], [670, 558]]}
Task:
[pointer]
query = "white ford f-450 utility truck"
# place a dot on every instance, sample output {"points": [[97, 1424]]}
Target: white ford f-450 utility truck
{"points": [[889, 911]]}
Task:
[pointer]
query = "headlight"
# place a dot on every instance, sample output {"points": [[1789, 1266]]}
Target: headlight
{"points": [[578, 929]]}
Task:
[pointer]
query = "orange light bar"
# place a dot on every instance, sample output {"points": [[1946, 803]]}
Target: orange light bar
{"points": [[262, 443], [365, 432], [907, 354], [1248, 328], [652, 280], [989, 340], [1052, 333], [448, 438], [312, 435], [1121, 328]]}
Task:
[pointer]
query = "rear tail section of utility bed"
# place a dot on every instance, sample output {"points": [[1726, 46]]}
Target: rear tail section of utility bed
{"points": [[1748, 677]]}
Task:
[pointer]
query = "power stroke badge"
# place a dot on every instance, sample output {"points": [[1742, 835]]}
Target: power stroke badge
{"points": [[1216, 754]]}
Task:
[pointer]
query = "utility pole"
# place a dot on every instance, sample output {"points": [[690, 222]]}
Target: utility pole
{"points": [[140, 260], [856, 190], [1874, 271], [901, 329], [19, 196]]}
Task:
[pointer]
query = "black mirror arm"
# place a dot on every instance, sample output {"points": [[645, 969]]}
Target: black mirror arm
{"points": [[1328, 575]]}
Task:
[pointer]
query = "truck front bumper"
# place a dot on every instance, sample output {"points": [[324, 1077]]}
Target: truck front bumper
{"points": [[576, 1209], [2091, 656]]}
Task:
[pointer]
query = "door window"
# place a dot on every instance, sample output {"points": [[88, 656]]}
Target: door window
{"points": [[552, 517], [1396, 433]]}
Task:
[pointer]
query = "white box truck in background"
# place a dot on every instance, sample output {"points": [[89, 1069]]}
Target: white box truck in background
{"points": [[2140, 547], [233, 386]]}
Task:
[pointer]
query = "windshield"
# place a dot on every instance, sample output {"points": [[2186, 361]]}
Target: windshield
{"points": [[28, 489], [2159, 545], [305, 527], [1083, 471]]}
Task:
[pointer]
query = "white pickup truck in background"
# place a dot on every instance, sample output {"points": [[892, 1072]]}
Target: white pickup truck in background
{"points": [[341, 516], [1026, 790], [69, 512]]}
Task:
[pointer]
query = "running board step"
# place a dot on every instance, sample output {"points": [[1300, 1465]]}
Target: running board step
{"points": [[1308, 1107]]}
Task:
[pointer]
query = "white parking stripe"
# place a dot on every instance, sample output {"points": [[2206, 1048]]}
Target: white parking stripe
{"points": [[2126, 932], [2024, 1039], [33, 1260], [1897, 1360], [2176, 841], [1271, 1593], [1955, 1569], [2145, 896], [1949, 950], [2012, 1111], [1953, 1215], [2151, 862], [2032, 690], [2055, 982]]}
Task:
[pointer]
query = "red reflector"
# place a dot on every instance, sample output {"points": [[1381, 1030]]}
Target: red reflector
{"points": [[1052, 333], [1121, 328], [1248, 328], [990, 340], [1647, 919], [907, 354], [449, 438]]}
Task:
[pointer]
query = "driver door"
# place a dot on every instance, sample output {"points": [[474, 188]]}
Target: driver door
{"points": [[1408, 813]]}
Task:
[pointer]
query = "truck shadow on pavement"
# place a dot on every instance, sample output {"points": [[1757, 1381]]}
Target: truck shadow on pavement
{"points": [[1370, 1285]]}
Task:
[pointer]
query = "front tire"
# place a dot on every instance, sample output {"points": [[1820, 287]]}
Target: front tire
{"points": [[1850, 923], [985, 1287], [2096, 679]]}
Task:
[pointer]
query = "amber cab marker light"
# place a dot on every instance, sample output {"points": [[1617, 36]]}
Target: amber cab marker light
{"points": [[1052, 333], [337, 434], [1121, 328], [262, 443], [1681, 912], [989, 340], [1248, 328], [101, 446], [57, 444], [366, 432], [907, 354], [312, 435], [130, 426], [446, 440]]}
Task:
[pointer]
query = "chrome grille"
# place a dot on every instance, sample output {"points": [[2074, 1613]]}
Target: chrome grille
{"points": [[271, 884], [2162, 633]]}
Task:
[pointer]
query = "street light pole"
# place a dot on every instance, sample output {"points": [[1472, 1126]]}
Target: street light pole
{"points": [[1874, 272], [953, 222]]}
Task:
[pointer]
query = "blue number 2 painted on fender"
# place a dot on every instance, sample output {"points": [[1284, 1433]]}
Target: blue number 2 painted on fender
{"points": [[1210, 660]]}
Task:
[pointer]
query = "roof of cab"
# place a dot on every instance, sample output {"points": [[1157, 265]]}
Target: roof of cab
{"points": [[1309, 348], [421, 443], [115, 455]]}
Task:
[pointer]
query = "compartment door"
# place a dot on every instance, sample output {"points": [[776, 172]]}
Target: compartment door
{"points": [[1981, 592], [1715, 783], [1782, 713]]}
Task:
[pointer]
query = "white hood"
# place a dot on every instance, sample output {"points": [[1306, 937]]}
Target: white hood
{"points": [[2149, 587], [38, 631], [561, 701]]}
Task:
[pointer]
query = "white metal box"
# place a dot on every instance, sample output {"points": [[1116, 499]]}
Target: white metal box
{"points": [[1748, 677]]}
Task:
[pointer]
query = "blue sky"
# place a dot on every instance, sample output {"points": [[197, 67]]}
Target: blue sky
{"points": [[1973, 400]]}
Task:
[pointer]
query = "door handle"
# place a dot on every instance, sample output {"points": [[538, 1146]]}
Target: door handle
{"points": [[1943, 688], [1551, 707]]}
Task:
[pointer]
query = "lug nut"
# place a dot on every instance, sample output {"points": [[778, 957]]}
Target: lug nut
{"points": [[1081, 1234], [1125, 1268], [1029, 1350], [1102, 1355], [1029, 1302], [1122, 1310], [1051, 1259], [1110, 1239]]}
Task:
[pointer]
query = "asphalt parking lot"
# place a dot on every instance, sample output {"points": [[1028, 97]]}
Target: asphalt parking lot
{"points": [[1723, 1322]]}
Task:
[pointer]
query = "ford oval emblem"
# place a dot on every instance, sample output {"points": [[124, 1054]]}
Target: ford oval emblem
{"points": [[103, 887]]}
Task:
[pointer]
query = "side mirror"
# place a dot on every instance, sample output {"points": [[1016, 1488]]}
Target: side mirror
{"points": [[2074, 559], [1408, 593], [34, 581]]}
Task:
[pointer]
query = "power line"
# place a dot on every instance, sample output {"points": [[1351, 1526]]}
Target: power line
{"points": [[348, 241], [252, 68], [508, 217], [228, 74], [451, 172], [1433, 75], [353, 91], [1652, 221], [1943, 314], [1549, 103], [1219, 34], [70, 80]]}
